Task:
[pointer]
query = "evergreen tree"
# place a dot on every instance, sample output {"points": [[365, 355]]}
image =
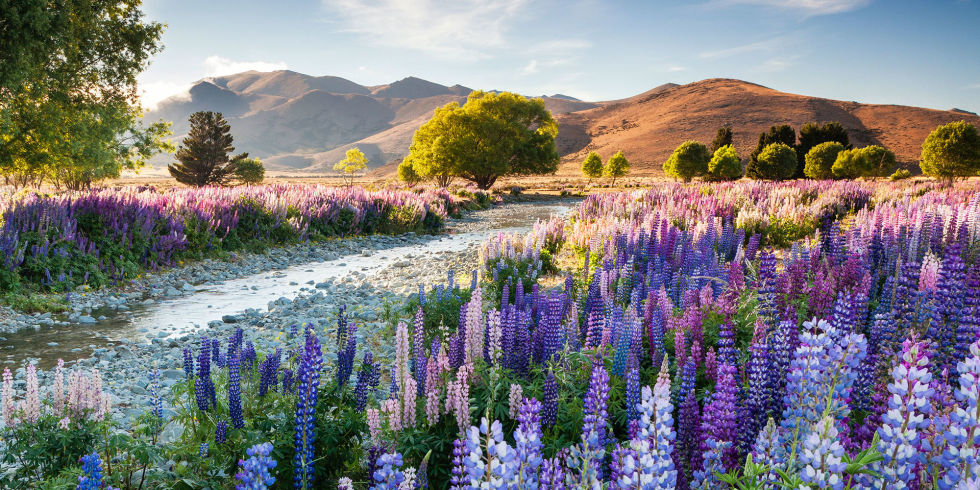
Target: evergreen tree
{"points": [[202, 158], [777, 134], [722, 138]]}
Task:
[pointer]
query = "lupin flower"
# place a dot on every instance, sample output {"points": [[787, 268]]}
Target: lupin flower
{"points": [[221, 432], [269, 372], [307, 388], [365, 377], [552, 474], [32, 400], [718, 423], [688, 456], [908, 409], [549, 412], [458, 480], [527, 443], [91, 478], [655, 441], [705, 478], [188, 362], [632, 394], [58, 390], [203, 385], [961, 456], [822, 457], [202, 452], [514, 399], [156, 402], [595, 412], [389, 475], [254, 473], [489, 460], [345, 483], [235, 390]]}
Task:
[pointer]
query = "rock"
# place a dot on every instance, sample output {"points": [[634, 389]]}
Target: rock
{"points": [[230, 318], [86, 319], [171, 292]]}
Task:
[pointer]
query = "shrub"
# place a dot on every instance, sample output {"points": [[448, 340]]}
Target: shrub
{"points": [[725, 164], [900, 174], [776, 162], [878, 160], [250, 171], [951, 151], [776, 134], [812, 135], [690, 159], [820, 160]]}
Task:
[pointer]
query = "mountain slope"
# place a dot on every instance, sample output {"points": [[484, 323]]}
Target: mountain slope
{"points": [[648, 127]]}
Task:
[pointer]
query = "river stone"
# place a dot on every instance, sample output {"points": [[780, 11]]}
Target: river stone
{"points": [[86, 319], [230, 318]]}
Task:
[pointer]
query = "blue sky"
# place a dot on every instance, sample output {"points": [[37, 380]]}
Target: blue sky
{"points": [[924, 53]]}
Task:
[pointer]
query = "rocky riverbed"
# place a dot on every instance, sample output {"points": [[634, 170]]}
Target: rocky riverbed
{"points": [[126, 332]]}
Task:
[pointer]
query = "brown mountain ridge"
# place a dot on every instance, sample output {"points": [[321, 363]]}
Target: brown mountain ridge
{"points": [[303, 124]]}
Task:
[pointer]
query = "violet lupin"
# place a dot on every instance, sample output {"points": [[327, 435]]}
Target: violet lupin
{"points": [[254, 473], [235, 390], [549, 412], [655, 441], [188, 362], [418, 350], [822, 457], [908, 409], [718, 422], [688, 456], [527, 443], [203, 385], [365, 377], [961, 457], [269, 371], [308, 382], [220, 432], [156, 403], [632, 394]]}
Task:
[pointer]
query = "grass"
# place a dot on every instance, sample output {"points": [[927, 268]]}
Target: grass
{"points": [[25, 302]]}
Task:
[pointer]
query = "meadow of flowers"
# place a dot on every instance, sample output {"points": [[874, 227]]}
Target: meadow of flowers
{"points": [[680, 349], [99, 237]]}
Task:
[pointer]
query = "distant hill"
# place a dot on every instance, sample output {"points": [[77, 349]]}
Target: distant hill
{"points": [[297, 122], [302, 123], [648, 126]]}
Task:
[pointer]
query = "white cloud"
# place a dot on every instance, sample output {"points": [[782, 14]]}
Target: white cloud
{"points": [[807, 7], [742, 49], [560, 46], [778, 63], [216, 66], [675, 68], [531, 67], [458, 29], [154, 92]]}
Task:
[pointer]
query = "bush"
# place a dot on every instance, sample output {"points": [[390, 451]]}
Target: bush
{"points": [[812, 135], [820, 160], [690, 159], [592, 166], [900, 174], [776, 162], [878, 160], [951, 151], [850, 164], [250, 171], [725, 164], [617, 166]]}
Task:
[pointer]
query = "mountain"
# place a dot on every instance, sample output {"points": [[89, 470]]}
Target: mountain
{"points": [[648, 126], [298, 122], [304, 124]]}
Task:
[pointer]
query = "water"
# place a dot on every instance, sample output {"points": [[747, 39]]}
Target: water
{"points": [[176, 317]]}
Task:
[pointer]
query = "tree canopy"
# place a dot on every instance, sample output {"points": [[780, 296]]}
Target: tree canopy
{"points": [[354, 161], [776, 162], [492, 135], [722, 138], [813, 134], [951, 151], [688, 160], [250, 171], [203, 156], [69, 102], [617, 166], [820, 160], [776, 134], [592, 166], [725, 164]]}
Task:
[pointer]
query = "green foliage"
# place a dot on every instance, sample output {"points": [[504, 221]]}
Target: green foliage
{"points": [[878, 160], [951, 151], [722, 138], [776, 134], [592, 166], [725, 164], [69, 100], [407, 174], [491, 136], [811, 135], [34, 302], [203, 156], [617, 166], [43, 449], [354, 161], [900, 174], [690, 159], [775, 162], [250, 171], [820, 160]]}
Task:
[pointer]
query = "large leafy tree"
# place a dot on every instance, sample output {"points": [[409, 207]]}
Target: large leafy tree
{"points": [[776, 134], [203, 157], [690, 159], [69, 105], [813, 134], [951, 151], [776, 162], [617, 166], [725, 164], [490, 136], [592, 166], [354, 161], [820, 160]]}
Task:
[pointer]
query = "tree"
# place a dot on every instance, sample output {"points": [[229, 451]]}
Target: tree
{"points": [[202, 158], [69, 101], [951, 151], [878, 160], [592, 166], [250, 171], [617, 166], [722, 138], [354, 161], [688, 160], [725, 164], [777, 134], [406, 173], [492, 135], [812, 134], [776, 162], [820, 160], [850, 164]]}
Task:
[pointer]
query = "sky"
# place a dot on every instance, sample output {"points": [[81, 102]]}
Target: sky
{"points": [[921, 53]]}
